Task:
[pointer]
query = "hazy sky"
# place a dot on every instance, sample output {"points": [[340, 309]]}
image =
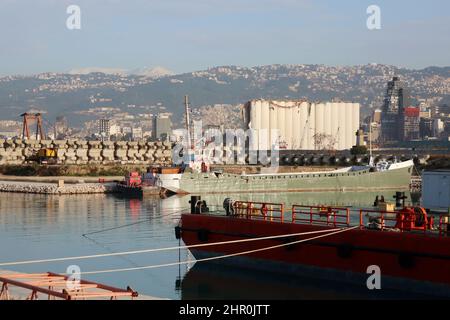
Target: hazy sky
{"points": [[188, 35]]}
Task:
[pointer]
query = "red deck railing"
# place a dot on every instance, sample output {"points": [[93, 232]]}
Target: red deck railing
{"points": [[262, 210], [342, 217], [321, 215]]}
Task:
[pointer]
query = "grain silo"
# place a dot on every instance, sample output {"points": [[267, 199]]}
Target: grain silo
{"points": [[302, 125]]}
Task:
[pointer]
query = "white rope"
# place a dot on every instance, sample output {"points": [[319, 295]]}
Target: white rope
{"points": [[159, 249], [163, 215], [219, 257]]}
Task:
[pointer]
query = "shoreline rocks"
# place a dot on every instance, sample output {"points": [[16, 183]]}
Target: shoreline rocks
{"points": [[53, 188]]}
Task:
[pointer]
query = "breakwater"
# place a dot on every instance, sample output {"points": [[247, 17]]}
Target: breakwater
{"points": [[56, 189], [18, 151]]}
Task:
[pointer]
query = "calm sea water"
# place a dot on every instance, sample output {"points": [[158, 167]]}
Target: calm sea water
{"points": [[40, 227]]}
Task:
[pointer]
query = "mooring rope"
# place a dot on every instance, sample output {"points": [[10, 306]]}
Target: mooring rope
{"points": [[163, 249], [219, 257], [135, 223]]}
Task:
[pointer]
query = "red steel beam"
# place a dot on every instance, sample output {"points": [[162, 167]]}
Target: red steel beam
{"points": [[50, 279]]}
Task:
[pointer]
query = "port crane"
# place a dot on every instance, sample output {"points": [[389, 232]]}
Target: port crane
{"points": [[29, 117]]}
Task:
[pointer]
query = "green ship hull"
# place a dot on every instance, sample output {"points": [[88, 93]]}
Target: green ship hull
{"points": [[362, 179]]}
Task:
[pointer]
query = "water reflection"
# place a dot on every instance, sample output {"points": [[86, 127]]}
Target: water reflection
{"points": [[340, 199], [41, 226], [212, 281]]}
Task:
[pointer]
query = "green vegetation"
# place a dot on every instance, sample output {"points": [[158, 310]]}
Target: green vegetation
{"points": [[69, 170], [358, 150]]}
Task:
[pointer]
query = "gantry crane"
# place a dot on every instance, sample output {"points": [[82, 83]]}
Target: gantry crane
{"points": [[27, 117]]}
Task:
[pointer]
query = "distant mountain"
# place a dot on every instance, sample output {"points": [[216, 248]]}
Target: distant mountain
{"points": [[71, 93], [88, 70], [152, 73]]}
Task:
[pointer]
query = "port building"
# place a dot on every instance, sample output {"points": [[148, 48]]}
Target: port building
{"points": [[302, 125]]}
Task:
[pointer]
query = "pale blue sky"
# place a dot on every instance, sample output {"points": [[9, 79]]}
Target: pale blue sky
{"points": [[185, 35]]}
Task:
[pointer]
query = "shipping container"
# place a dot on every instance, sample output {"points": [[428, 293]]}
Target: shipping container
{"points": [[436, 190]]}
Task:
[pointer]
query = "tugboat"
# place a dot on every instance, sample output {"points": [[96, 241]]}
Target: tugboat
{"points": [[411, 250], [136, 186]]}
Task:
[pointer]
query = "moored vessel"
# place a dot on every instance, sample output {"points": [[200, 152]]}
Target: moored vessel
{"points": [[410, 248], [135, 186], [356, 178]]}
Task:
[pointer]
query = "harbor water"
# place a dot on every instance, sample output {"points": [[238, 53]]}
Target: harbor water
{"points": [[47, 226]]}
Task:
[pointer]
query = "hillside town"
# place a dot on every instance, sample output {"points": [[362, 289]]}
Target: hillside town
{"points": [[100, 115]]}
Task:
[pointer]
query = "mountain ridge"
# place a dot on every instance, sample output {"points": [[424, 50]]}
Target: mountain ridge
{"points": [[68, 94]]}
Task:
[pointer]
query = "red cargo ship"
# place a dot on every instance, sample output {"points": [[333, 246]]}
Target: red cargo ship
{"points": [[410, 251]]}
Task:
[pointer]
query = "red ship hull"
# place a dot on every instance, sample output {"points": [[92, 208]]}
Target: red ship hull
{"points": [[409, 261]]}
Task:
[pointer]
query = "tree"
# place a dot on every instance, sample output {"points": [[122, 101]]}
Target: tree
{"points": [[358, 150]]}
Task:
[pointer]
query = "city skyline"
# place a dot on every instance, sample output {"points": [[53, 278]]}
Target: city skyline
{"points": [[188, 36]]}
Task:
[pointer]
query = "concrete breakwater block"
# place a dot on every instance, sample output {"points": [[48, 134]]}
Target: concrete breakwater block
{"points": [[60, 144], [74, 151], [94, 154], [107, 145], [107, 155]]}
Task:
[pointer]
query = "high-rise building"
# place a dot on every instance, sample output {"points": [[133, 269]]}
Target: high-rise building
{"points": [[162, 126], [360, 138], [410, 124], [426, 128], [115, 129], [136, 133], [395, 100], [104, 128], [438, 127], [425, 113], [377, 116], [440, 110], [374, 134]]}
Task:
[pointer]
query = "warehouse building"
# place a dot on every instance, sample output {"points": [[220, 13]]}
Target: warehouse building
{"points": [[302, 125]]}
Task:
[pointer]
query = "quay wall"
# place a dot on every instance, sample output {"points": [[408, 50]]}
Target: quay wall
{"points": [[88, 152]]}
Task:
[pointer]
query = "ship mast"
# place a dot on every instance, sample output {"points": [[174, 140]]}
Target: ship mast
{"points": [[370, 139], [188, 128], [371, 162]]}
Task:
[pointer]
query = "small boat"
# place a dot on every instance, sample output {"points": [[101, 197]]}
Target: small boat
{"points": [[137, 186]]}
